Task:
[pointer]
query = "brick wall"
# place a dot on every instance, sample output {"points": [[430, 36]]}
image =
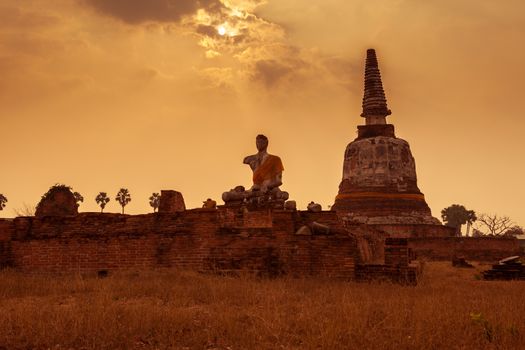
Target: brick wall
{"points": [[6, 229], [477, 249], [225, 240], [415, 230], [396, 267]]}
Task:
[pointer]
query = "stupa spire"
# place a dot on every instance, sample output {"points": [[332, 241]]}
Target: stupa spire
{"points": [[374, 101]]}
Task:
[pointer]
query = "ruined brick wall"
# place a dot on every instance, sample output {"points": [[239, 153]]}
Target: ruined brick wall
{"points": [[476, 249], [396, 267], [415, 230], [6, 231], [261, 242], [371, 238]]}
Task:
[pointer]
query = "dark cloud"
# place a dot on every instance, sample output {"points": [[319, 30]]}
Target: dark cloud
{"points": [[270, 72], [138, 11], [206, 30]]}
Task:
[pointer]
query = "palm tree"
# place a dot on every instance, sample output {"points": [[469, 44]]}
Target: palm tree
{"points": [[3, 201], [102, 199], [154, 201], [456, 215], [123, 197], [471, 217]]}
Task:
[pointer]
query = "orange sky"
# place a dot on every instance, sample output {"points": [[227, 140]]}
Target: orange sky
{"points": [[103, 94]]}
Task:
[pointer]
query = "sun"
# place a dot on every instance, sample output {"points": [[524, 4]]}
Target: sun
{"points": [[221, 30]]}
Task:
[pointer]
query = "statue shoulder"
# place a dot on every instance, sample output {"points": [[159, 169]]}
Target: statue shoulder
{"points": [[249, 159], [274, 159]]}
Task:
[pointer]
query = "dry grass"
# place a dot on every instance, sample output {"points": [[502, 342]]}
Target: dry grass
{"points": [[449, 309]]}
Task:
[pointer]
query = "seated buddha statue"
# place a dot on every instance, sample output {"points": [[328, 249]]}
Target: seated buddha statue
{"points": [[267, 169], [267, 176]]}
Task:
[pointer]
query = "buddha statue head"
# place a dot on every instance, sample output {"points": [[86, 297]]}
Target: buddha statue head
{"points": [[261, 142]]}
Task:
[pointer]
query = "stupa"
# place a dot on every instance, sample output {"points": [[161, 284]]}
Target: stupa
{"points": [[379, 184]]}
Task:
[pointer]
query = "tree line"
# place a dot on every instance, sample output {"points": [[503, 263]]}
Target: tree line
{"points": [[123, 197], [495, 225]]}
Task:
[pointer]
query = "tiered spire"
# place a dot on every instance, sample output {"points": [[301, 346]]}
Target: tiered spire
{"points": [[374, 100]]}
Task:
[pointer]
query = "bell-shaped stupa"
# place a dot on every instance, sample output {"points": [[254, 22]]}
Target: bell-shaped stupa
{"points": [[379, 183]]}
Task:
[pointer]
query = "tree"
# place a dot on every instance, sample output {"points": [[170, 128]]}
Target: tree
{"points": [[514, 231], [102, 199], [154, 201], [477, 233], [78, 197], [493, 224], [3, 201], [456, 215], [25, 210], [471, 217], [58, 200], [123, 197]]}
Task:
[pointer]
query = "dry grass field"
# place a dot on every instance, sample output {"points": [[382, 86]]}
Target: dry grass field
{"points": [[449, 309]]}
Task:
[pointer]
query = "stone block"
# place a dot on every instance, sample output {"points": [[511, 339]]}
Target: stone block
{"points": [[171, 202], [290, 205]]}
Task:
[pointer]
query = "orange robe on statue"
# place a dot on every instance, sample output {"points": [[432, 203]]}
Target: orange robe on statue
{"points": [[269, 169]]}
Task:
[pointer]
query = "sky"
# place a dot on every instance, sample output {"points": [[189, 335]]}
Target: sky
{"points": [[167, 94]]}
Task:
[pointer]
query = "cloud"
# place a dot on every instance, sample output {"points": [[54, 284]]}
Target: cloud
{"points": [[139, 11], [206, 30], [13, 17], [269, 72], [250, 48]]}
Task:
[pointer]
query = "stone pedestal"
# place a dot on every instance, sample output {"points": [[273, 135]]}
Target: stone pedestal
{"points": [[254, 200], [171, 202]]}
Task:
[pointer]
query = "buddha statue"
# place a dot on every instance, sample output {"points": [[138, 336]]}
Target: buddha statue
{"points": [[267, 177], [267, 169]]}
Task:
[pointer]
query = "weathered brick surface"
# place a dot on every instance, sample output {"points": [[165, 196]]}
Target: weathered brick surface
{"points": [[171, 202], [224, 240], [262, 242], [397, 252], [405, 230], [396, 267], [6, 229], [367, 131], [379, 183], [470, 248], [416, 230], [6, 258]]}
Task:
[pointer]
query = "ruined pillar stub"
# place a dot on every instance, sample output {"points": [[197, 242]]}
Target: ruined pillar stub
{"points": [[171, 202]]}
